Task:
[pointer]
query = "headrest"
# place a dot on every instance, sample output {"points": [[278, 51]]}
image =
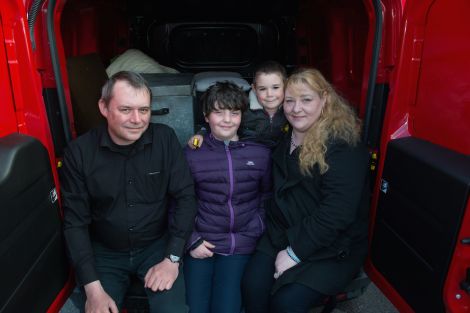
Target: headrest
{"points": [[204, 80], [254, 104]]}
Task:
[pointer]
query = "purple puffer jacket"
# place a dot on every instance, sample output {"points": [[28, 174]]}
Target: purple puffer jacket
{"points": [[231, 184]]}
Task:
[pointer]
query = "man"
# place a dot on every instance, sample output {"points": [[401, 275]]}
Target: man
{"points": [[116, 183]]}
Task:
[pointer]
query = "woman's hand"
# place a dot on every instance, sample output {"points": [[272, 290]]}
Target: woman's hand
{"points": [[283, 263], [203, 250]]}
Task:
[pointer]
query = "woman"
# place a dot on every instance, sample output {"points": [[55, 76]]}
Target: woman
{"points": [[316, 238]]}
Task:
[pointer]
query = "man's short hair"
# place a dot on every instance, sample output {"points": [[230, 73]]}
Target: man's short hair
{"points": [[224, 95], [135, 80]]}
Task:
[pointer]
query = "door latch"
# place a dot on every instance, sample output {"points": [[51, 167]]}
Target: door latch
{"points": [[465, 285], [161, 111]]}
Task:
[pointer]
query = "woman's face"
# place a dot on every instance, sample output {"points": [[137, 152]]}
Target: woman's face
{"points": [[302, 106]]}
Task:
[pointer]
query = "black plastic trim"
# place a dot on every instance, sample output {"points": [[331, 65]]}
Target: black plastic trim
{"points": [[57, 74]]}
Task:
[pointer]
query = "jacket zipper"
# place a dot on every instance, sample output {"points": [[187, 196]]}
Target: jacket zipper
{"points": [[271, 122], [232, 213], [261, 222]]}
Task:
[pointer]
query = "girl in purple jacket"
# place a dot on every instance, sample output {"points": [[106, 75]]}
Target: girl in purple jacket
{"points": [[232, 179]]}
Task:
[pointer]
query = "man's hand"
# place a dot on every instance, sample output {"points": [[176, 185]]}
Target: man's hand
{"points": [[203, 250], [97, 300], [283, 263], [161, 276], [195, 141]]}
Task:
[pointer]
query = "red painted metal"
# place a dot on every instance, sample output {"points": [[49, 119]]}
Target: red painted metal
{"points": [[444, 114], [7, 115], [430, 99], [94, 26], [42, 52], [392, 22], [25, 80], [336, 37], [80, 24], [63, 62], [455, 299], [63, 295], [22, 106], [428, 70], [386, 288], [441, 113]]}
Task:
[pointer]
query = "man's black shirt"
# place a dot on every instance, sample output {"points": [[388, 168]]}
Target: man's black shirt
{"points": [[118, 195]]}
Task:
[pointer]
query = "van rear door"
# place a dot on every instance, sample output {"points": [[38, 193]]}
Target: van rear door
{"points": [[420, 237], [34, 272]]}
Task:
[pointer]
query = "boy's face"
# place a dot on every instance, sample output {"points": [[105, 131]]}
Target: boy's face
{"points": [[269, 89], [224, 123]]}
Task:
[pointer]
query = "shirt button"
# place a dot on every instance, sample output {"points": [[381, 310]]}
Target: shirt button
{"points": [[131, 228], [130, 205], [130, 181]]}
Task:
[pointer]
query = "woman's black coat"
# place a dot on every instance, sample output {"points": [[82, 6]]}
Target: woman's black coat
{"points": [[324, 218]]}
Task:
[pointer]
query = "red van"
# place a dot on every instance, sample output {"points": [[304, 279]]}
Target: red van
{"points": [[404, 65]]}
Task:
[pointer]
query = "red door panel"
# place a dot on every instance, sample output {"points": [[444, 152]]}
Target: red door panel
{"points": [[421, 197]]}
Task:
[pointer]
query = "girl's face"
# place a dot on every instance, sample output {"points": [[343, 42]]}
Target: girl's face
{"points": [[224, 123], [302, 106], [269, 90]]}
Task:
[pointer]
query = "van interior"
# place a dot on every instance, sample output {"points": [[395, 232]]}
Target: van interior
{"points": [[420, 218], [188, 37], [200, 36]]}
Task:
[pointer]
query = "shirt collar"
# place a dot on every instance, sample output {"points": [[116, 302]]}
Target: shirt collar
{"points": [[106, 141]]}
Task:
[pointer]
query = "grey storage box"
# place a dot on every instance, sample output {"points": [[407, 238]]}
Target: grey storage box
{"points": [[173, 102]]}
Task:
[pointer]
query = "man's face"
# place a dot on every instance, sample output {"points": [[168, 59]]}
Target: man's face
{"points": [[128, 113]]}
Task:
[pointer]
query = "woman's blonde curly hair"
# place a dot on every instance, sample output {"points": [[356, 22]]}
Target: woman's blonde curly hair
{"points": [[336, 121]]}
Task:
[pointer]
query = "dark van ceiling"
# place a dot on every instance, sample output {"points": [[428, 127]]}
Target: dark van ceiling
{"points": [[212, 9]]}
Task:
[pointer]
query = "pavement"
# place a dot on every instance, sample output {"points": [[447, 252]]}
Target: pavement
{"points": [[371, 301]]}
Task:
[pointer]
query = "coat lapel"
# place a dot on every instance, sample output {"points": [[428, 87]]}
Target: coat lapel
{"points": [[283, 162]]}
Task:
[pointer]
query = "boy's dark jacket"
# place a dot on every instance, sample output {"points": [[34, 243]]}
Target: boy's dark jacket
{"points": [[258, 126]]}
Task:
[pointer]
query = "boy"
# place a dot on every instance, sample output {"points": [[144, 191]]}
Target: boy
{"points": [[264, 122]]}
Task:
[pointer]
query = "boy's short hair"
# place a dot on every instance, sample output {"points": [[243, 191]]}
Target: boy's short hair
{"points": [[224, 95], [270, 67]]}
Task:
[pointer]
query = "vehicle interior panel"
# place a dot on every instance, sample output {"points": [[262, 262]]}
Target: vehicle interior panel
{"points": [[206, 36], [31, 231], [87, 75], [423, 197], [195, 37]]}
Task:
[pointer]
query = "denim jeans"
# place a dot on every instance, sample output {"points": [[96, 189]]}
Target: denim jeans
{"points": [[213, 284]]}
